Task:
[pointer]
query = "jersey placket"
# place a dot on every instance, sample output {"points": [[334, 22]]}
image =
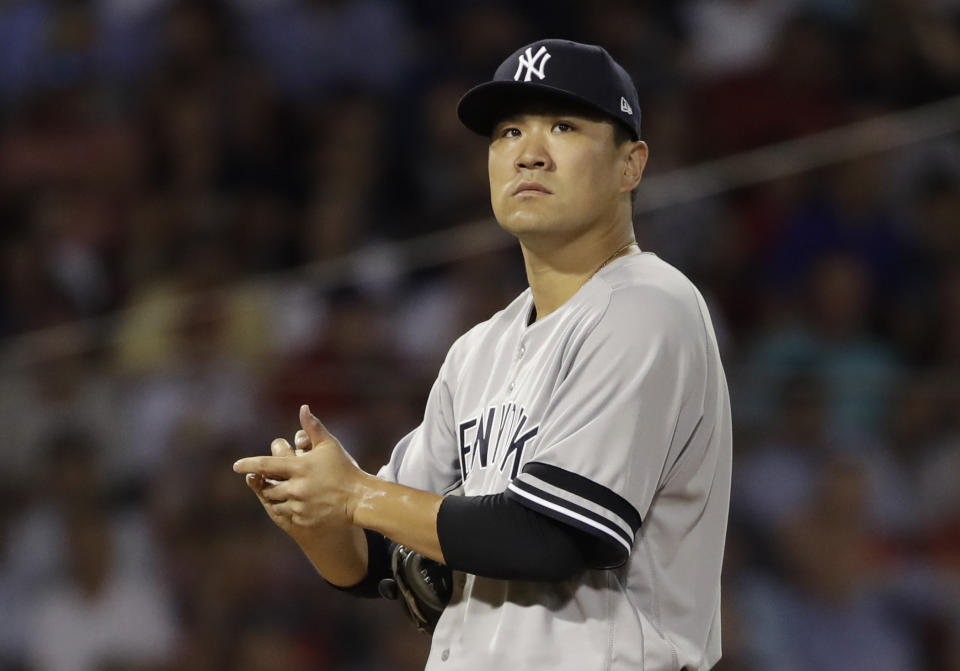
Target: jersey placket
{"points": [[520, 351]]}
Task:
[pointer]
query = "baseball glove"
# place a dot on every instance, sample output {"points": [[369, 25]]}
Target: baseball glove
{"points": [[423, 586]]}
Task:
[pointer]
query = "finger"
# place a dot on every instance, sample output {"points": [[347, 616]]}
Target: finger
{"points": [[275, 493], [280, 448], [301, 441], [312, 426], [279, 468], [254, 482], [271, 508], [284, 508], [259, 486]]}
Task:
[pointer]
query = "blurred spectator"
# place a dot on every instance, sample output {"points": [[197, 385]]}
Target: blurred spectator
{"points": [[940, 504], [80, 231], [887, 70], [30, 299], [67, 388], [70, 475], [159, 330], [646, 38], [15, 595], [474, 37], [45, 42], [833, 343], [202, 382], [947, 340], [915, 317], [438, 311], [348, 368], [347, 168], [852, 218], [777, 476], [198, 40], [450, 174], [99, 615], [733, 36], [264, 143], [795, 92], [56, 131], [316, 47], [830, 608]]}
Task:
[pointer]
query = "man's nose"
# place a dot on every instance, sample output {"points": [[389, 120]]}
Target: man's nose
{"points": [[533, 155]]}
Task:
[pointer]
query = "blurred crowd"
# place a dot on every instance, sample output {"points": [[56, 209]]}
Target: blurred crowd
{"points": [[167, 167]]}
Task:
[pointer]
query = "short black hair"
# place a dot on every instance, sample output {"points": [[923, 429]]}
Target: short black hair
{"points": [[621, 134]]}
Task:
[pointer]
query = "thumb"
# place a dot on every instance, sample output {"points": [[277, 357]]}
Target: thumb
{"points": [[315, 429]]}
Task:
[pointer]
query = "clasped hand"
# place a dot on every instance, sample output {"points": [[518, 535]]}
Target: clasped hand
{"points": [[317, 488]]}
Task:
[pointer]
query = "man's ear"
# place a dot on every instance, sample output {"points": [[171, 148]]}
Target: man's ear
{"points": [[635, 160]]}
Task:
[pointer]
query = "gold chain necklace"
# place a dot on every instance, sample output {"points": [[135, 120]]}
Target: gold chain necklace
{"points": [[610, 258]]}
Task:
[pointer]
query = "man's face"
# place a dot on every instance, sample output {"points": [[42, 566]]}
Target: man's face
{"points": [[555, 173]]}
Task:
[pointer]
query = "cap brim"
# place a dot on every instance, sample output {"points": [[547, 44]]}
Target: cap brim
{"points": [[483, 106]]}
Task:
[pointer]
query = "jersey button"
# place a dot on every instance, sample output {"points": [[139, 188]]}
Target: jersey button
{"points": [[445, 655], [510, 387], [521, 351]]}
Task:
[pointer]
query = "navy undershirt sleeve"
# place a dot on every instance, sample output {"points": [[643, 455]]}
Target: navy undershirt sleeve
{"points": [[496, 537], [490, 536]]}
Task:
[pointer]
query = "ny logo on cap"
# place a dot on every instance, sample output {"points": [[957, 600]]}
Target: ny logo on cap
{"points": [[529, 60]]}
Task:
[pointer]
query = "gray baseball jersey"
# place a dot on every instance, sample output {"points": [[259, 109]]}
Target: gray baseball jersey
{"points": [[610, 414]]}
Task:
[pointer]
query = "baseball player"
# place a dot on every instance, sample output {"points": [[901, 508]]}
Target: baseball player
{"points": [[585, 428]]}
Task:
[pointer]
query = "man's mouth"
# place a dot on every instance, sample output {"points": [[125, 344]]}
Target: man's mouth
{"points": [[531, 187]]}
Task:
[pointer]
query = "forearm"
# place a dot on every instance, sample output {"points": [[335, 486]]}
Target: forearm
{"points": [[403, 514], [486, 535], [338, 553]]}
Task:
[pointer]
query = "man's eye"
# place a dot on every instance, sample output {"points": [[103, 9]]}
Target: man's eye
{"points": [[510, 132], [562, 126]]}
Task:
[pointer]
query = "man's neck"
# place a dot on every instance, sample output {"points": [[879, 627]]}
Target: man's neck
{"points": [[556, 271]]}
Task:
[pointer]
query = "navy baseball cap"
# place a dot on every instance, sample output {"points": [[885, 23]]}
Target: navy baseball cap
{"points": [[583, 74]]}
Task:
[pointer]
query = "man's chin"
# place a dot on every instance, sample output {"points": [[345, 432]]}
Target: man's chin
{"points": [[528, 222], [523, 229]]}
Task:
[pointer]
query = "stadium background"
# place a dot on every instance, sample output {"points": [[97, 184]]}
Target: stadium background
{"points": [[212, 212]]}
